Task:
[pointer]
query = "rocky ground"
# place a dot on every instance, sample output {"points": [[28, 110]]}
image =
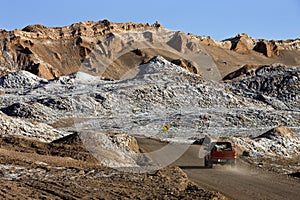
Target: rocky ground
{"points": [[64, 169], [192, 107], [161, 93], [56, 112]]}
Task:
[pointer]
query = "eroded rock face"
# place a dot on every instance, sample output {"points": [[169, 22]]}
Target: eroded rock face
{"points": [[269, 49], [44, 71], [178, 42], [54, 52], [243, 44]]}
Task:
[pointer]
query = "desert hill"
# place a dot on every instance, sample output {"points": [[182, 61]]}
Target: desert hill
{"points": [[54, 52]]}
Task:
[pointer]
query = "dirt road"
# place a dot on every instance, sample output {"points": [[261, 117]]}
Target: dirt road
{"points": [[240, 183]]}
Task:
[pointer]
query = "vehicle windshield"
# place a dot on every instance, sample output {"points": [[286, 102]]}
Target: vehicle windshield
{"points": [[222, 146]]}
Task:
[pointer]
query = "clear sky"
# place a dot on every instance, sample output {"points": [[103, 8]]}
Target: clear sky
{"points": [[269, 19]]}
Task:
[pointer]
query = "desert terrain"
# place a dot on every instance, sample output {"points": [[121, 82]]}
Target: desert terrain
{"points": [[104, 110]]}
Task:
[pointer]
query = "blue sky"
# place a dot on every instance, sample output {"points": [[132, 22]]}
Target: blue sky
{"points": [[269, 19]]}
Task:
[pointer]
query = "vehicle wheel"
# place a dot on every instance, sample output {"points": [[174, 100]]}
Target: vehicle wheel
{"points": [[208, 164], [205, 163], [233, 163]]}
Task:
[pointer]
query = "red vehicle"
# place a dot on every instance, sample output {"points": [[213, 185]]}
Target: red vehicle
{"points": [[220, 153]]}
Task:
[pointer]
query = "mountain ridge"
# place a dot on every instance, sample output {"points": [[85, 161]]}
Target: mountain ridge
{"points": [[54, 52]]}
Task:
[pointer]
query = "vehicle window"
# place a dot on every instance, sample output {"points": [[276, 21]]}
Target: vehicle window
{"points": [[222, 147]]}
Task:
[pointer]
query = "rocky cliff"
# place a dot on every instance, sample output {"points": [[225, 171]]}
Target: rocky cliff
{"points": [[53, 52]]}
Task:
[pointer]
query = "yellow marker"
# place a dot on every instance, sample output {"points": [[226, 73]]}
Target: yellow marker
{"points": [[166, 127]]}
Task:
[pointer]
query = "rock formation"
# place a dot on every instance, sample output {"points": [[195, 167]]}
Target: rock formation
{"points": [[54, 52]]}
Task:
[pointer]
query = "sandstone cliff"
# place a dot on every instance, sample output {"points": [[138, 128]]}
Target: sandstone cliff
{"points": [[53, 52]]}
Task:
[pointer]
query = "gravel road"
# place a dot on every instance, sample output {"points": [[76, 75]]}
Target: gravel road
{"points": [[241, 182]]}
